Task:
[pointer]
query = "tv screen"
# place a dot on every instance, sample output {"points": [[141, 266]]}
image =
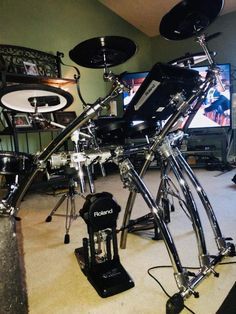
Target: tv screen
{"points": [[215, 111], [134, 81]]}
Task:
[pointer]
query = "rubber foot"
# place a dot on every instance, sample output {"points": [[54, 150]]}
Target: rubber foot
{"points": [[67, 239], [175, 304], [48, 219]]}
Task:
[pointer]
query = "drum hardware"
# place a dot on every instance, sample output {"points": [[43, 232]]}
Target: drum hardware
{"points": [[193, 89], [39, 118], [186, 285], [173, 160], [70, 214], [98, 257], [75, 161], [189, 18], [34, 98], [103, 52], [167, 193], [94, 145], [183, 9], [189, 60], [89, 113], [86, 157], [164, 132]]}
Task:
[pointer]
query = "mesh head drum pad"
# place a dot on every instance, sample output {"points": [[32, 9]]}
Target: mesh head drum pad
{"points": [[32, 98]]}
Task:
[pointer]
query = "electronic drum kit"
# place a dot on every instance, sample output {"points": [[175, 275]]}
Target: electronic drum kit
{"points": [[173, 90]]}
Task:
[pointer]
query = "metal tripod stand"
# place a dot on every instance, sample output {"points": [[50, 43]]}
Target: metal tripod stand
{"points": [[74, 171], [70, 212]]}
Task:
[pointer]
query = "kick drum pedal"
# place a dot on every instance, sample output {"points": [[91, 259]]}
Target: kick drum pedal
{"points": [[98, 257]]}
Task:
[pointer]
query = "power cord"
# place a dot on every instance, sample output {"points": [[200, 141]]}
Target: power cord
{"points": [[163, 289], [169, 266]]}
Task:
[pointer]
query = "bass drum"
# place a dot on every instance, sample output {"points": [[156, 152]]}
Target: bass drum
{"points": [[12, 163]]}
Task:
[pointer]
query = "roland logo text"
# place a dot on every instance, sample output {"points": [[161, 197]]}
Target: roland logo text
{"points": [[103, 212]]}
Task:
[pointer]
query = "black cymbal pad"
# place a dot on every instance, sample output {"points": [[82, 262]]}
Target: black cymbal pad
{"points": [[188, 18], [102, 52]]}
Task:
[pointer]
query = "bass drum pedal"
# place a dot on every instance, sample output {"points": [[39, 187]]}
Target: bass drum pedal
{"points": [[98, 257]]}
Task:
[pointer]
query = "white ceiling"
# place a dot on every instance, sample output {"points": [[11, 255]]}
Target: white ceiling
{"points": [[146, 15]]}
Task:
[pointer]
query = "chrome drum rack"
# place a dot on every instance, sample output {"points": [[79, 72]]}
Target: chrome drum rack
{"points": [[162, 145]]}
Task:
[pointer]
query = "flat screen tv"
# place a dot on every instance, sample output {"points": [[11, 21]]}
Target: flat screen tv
{"points": [[215, 111], [134, 81]]}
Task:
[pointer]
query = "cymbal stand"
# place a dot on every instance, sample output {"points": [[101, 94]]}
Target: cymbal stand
{"points": [[201, 40]]}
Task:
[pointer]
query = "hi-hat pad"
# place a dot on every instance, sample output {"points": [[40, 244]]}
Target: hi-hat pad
{"points": [[102, 52], [189, 17], [32, 98]]}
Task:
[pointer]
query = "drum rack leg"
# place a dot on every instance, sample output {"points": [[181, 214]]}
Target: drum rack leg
{"points": [[185, 281]]}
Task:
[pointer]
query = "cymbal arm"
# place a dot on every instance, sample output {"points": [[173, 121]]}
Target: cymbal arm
{"points": [[202, 41]]}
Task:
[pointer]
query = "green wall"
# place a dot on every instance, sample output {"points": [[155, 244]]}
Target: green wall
{"points": [[59, 25]]}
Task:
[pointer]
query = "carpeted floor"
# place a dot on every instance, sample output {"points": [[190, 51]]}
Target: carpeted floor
{"points": [[56, 285]]}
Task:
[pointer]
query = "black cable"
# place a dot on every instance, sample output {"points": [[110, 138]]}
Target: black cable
{"points": [[163, 289], [156, 267], [169, 266]]}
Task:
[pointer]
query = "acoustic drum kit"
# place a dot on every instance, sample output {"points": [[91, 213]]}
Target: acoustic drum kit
{"points": [[170, 91]]}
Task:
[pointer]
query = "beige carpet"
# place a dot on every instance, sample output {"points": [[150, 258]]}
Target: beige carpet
{"points": [[56, 285]]}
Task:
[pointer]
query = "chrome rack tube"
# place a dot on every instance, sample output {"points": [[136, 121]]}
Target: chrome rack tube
{"points": [[192, 210], [132, 180], [184, 280], [11, 203], [220, 241], [183, 107]]}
